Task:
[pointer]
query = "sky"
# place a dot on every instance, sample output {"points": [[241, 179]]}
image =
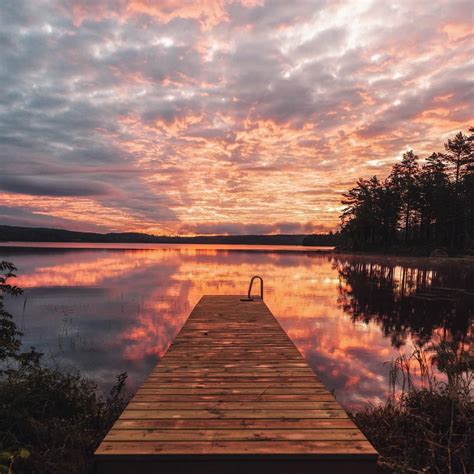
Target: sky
{"points": [[218, 117]]}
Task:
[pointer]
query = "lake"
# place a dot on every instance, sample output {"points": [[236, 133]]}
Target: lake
{"points": [[109, 309]]}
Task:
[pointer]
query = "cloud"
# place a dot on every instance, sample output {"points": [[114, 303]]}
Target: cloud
{"points": [[220, 116], [47, 186], [215, 228], [23, 216]]}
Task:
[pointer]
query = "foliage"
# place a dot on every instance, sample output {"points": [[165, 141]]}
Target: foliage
{"points": [[50, 422], [9, 334], [429, 425], [421, 205]]}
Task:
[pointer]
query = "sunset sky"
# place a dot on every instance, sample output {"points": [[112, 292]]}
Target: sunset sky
{"points": [[198, 117]]}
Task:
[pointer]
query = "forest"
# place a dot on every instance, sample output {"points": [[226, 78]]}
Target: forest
{"points": [[423, 204]]}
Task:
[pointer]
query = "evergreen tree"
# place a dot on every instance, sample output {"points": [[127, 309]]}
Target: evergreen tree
{"points": [[403, 180], [459, 154], [431, 205]]}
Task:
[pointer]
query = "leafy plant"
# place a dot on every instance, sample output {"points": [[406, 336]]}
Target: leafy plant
{"points": [[10, 342]]}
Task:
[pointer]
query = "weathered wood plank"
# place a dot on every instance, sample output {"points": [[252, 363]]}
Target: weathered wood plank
{"points": [[241, 405], [131, 414], [239, 397], [236, 447], [236, 423], [284, 390], [273, 434]]}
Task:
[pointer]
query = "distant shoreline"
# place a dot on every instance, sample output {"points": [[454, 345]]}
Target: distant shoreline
{"points": [[164, 246], [49, 235]]}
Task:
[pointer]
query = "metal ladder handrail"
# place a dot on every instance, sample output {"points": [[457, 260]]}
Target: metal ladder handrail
{"points": [[249, 296]]}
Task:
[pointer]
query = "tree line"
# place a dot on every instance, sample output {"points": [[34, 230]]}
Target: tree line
{"points": [[422, 203]]}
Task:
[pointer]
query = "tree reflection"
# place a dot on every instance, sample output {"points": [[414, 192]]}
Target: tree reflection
{"points": [[423, 302]]}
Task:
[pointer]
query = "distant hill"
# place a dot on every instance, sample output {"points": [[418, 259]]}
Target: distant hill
{"points": [[40, 234]]}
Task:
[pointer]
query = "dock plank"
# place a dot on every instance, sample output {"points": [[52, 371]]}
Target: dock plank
{"points": [[233, 392]]}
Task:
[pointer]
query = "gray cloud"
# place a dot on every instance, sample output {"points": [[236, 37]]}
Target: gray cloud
{"points": [[23, 216], [48, 186]]}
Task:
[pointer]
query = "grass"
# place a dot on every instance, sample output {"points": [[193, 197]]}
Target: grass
{"points": [[426, 425]]}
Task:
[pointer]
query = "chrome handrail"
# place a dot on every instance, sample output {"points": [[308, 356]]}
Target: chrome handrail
{"points": [[249, 296]]}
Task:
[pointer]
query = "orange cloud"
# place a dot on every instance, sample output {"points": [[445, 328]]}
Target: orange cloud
{"points": [[209, 13]]}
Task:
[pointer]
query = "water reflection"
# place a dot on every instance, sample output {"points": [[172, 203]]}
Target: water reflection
{"points": [[107, 311], [406, 301]]}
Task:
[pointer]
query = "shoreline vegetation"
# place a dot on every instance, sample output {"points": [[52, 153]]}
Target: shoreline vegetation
{"points": [[52, 421], [336, 240]]}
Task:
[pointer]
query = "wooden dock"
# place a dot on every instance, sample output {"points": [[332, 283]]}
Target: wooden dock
{"points": [[233, 395]]}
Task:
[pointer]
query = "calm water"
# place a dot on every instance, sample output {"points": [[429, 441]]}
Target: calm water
{"points": [[109, 310]]}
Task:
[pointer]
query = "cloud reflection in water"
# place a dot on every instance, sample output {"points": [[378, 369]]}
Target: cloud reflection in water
{"points": [[108, 311]]}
